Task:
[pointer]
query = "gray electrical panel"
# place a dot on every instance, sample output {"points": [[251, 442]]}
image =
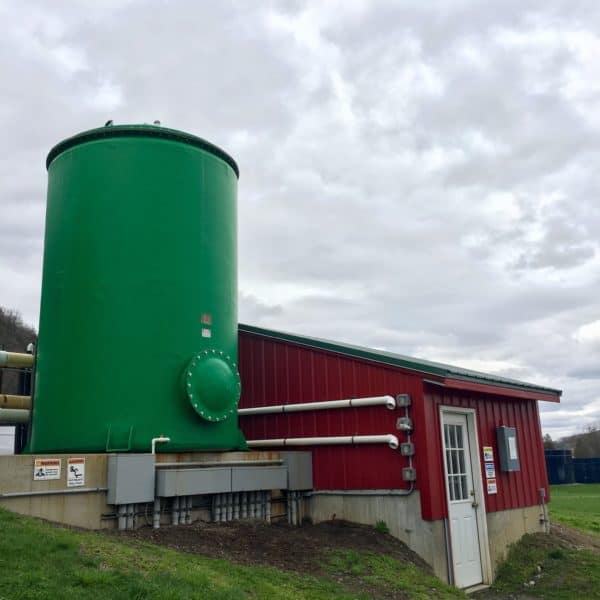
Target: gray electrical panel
{"points": [[130, 478], [299, 470], [508, 451], [246, 479], [189, 482]]}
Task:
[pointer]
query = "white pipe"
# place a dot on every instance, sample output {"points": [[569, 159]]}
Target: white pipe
{"points": [[216, 508], [244, 509], [223, 507], [268, 508], [156, 514], [230, 506], [122, 512], [236, 506], [175, 511], [292, 499], [387, 401], [332, 440], [188, 511], [130, 516], [12, 416], [15, 359], [159, 440]]}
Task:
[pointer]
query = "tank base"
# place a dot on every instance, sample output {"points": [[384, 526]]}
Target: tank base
{"points": [[74, 489]]}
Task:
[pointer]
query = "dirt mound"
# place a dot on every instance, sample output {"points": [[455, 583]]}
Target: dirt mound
{"points": [[572, 538], [299, 549]]}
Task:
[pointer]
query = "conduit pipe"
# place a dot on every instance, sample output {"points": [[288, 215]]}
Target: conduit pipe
{"points": [[11, 401], [332, 440], [156, 514], [161, 439], [388, 401], [16, 359], [13, 416]]}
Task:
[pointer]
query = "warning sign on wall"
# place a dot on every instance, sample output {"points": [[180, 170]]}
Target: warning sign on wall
{"points": [[46, 468], [75, 472]]}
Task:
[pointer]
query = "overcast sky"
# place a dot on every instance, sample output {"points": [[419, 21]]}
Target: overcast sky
{"points": [[415, 176]]}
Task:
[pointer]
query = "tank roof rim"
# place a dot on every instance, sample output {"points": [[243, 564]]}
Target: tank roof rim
{"points": [[156, 131]]}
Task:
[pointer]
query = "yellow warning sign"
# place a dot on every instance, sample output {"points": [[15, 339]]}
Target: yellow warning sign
{"points": [[46, 468]]}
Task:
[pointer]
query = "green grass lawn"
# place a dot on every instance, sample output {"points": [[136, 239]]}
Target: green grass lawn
{"points": [[566, 573], [565, 570], [577, 505], [42, 561]]}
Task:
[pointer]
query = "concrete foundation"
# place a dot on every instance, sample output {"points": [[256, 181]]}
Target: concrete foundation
{"points": [[509, 526], [86, 506]]}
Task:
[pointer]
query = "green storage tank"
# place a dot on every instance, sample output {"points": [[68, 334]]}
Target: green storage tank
{"points": [[138, 323]]}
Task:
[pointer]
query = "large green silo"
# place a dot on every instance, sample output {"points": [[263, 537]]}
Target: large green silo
{"points": [[138, 323]]}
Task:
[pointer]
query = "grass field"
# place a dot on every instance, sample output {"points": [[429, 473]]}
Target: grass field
{"points": [[559, 571], [577, 505], [563, 565], [42, 561]]}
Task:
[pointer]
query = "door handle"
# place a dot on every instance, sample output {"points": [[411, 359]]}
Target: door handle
{"points": [[474, 504]]}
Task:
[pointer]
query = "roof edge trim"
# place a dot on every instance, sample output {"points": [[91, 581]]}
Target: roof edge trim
{"points": [[447, 373]]}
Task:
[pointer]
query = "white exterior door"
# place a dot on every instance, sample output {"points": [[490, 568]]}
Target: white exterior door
{"points": [[462, 506]]}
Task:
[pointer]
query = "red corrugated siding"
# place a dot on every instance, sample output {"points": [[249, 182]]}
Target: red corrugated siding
{"points": [[280, 372], [515, 489]]}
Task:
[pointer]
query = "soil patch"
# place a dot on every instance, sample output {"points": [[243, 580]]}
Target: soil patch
{"points": [[300, 549], [573, 538]]}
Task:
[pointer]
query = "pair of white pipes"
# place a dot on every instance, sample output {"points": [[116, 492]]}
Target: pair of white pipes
{"points": [[338, 440], [126, 515]]}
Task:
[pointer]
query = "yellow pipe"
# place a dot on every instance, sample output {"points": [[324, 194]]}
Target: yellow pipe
{"points": [[10, 401], [15, 359]]}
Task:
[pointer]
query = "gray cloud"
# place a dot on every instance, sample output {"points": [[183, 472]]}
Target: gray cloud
{"points": [[414, 177]]}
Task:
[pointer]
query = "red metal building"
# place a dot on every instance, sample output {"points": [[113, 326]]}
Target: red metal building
{"points": [[279, 368]]}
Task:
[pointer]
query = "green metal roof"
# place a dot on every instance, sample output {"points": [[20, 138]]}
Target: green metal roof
{"points": [[398, 360]]}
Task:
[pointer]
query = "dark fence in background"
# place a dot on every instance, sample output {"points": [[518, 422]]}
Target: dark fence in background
{"points": [[563, 468], [559, 464], [587, 470]]}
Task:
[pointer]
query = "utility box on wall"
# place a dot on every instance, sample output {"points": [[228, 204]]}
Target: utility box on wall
{"points": [[508, 450]]}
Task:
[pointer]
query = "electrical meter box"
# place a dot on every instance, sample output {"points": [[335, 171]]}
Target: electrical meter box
{"points": [[508, 450]]}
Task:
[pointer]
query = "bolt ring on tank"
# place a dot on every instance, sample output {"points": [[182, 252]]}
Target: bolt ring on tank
{"points": [[212, 385]]}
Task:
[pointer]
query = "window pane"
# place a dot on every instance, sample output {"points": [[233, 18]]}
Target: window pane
{"points": [[459, 437], [463, 481], [461, 466], [457, 491], [446, 436]]}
